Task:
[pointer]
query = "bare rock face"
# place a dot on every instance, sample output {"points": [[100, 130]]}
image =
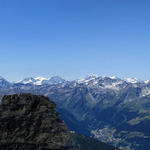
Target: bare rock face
{"points": [[30, 122]]}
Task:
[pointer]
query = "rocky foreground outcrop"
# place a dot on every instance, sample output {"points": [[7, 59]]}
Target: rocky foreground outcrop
{"points": [[30, 122]]}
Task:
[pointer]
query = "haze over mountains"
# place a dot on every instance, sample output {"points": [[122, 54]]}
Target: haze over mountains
{"points": [[113, 110]]}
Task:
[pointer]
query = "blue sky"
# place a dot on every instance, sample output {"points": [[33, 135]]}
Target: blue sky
{"points": [[73, 38]]}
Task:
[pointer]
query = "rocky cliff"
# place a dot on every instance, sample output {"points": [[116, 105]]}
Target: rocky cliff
{"points": [[30, 122]]}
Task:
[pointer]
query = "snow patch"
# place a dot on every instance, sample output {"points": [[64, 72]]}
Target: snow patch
{"points": [[132, 80]]}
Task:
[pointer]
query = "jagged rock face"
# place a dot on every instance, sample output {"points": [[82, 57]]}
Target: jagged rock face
{"points": [[30, 122]]}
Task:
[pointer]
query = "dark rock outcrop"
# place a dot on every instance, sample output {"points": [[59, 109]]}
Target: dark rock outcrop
{"points": [[30, 122]]}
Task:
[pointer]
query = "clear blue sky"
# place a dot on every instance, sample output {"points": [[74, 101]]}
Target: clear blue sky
{"points": [[73, 38]]}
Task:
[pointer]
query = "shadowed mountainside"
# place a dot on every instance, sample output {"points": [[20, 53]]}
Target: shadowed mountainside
{"points": [[30, 122]]}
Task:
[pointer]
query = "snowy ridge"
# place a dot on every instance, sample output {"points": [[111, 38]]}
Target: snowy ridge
{"points": [[39, 80], [42, 80], [93, 81], [35, 81], [111, 82], [87, 79], [132, 80]]}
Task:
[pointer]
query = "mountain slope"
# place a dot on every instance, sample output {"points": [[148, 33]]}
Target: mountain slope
{"points": [[113, 110], [82, 142]]}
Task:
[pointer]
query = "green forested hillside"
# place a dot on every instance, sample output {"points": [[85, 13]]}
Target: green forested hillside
{"points": [[82, 142]]}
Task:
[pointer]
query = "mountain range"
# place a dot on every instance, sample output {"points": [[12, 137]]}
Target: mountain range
{"points": [[110, 109]]}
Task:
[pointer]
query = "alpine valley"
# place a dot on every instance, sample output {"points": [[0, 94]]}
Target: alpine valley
{"points": [[110, 109]]}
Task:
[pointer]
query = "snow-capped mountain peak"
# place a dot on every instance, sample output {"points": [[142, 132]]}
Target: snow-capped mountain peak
{"points": [[56, 80], [113, 77], [87, 78], [42, 80], [132, 80], [101, 82], [3, 82], [147, 81], [91, 76], [27, 80], [31, 80]]}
